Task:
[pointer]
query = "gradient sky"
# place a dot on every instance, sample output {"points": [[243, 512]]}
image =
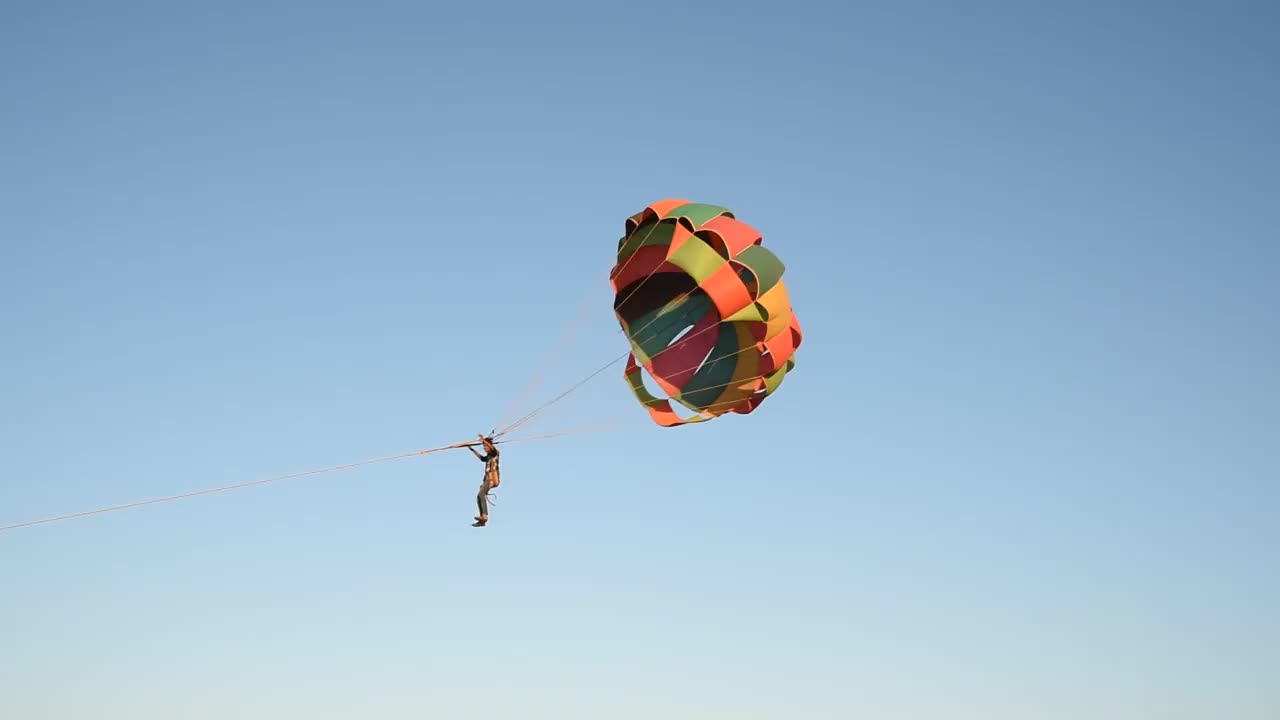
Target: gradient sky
{"points": [[1026, 466]]}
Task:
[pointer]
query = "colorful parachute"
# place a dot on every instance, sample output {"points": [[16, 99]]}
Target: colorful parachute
{"points": [[705, 310]]}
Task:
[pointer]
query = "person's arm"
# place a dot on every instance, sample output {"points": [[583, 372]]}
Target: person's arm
{"points": [[485, 456]]}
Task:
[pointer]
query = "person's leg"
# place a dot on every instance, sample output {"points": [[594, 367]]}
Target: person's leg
{"points": [[482, 502]]}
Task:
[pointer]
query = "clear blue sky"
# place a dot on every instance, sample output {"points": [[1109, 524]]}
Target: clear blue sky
{"points": [[1026, 467]]}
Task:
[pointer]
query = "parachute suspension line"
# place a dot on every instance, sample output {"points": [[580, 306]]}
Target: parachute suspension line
{"points": [[564, 339], [496, 433], [533, 413], [250, 483], [713, 406], [682, 339], [551, 357], [631, 257], [569, 433]]}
